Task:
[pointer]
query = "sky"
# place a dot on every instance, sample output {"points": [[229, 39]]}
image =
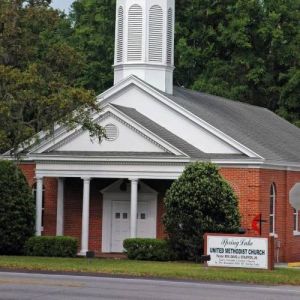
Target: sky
{"points": [[62, 4]]}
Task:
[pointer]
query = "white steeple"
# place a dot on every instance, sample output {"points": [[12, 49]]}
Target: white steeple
{"points": [[144, 42]]}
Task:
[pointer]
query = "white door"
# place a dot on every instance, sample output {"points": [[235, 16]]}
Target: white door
{"points": [[146, 222], [120, 224]]}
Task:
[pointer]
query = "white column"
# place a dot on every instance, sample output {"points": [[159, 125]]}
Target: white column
{"points": [[39, 204], [85, 216], [133, 207], [60, 207]]}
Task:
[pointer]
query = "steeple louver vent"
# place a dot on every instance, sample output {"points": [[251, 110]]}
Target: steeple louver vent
{"points": [[120, 34], [155, 34], [135, 33], [144, 42], [170, 37]]}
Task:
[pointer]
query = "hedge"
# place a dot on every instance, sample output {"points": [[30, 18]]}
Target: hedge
{"points": [[62, 246], [148, 249], [17, 209]]}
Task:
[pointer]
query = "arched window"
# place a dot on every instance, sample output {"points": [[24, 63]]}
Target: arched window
{"points": [[170, 37], [272, 208], [43, 202], [120, 34], [155, 34], [135, 33]]}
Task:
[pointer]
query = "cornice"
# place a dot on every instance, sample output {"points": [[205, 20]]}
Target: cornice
{"points": [[115, 163]]}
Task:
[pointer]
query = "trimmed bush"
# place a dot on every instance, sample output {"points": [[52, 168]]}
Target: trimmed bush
{"points": [[199, 201], [148, 249], [60, 246], [17, 209]]}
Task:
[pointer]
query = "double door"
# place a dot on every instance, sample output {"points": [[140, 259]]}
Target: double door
{"points": [[146, 222]]}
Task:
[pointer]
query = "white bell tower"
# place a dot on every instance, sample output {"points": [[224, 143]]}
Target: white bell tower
{"points": [[144, 42]]}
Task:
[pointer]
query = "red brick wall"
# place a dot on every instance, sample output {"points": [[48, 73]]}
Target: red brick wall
{"points": [[50, 206], [73, 212], [252, 187], [292, 250], [246, 185], [29, 172], [160, 230]]}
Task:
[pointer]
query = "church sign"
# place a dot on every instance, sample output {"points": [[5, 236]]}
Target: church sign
{"points": [[239, 251]]}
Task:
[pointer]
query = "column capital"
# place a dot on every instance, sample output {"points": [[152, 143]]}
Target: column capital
{"points": [[39, 177], [86, 178], [133, 179]]}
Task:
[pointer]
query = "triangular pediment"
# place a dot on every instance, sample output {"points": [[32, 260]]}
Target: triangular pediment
{"points": [[123, 186], [145, 123]]}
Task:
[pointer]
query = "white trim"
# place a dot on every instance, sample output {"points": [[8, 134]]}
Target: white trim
{"points": [[60, 207], [296, 228], [85, 215], [272, 214], [39, 205], [230, 163], [54, 159], [134, 194]]}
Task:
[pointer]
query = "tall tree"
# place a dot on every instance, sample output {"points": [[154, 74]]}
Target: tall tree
{"points": [[94, 23], [246, 50], [39, 74]]}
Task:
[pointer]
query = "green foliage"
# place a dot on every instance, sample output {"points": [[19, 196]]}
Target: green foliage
{"points": [[199, 201], [60, 246], [17, 209], [40, 75], [148, 249], [246, 50], [94, 30]]}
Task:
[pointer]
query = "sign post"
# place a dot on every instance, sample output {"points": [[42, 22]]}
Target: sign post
{"points": [[239, 251]]}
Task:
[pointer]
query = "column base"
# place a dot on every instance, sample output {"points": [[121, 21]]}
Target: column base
{"points": [[82, 253]]}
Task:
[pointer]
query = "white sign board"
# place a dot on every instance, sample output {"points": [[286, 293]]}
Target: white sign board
{"points": [[237, 252]]}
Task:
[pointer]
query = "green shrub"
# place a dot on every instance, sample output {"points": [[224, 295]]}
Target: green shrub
{"points": [[17, 209], [148, 249], [61, 246], [199, 201]]}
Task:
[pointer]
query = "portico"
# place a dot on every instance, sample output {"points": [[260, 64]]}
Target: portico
{"points": [[127, 202]]}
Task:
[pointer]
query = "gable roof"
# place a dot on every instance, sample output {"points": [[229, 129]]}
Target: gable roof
{"points": [[257, 128]]}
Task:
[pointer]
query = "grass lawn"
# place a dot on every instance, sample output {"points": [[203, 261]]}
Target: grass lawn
{"points": [[172, 270]]}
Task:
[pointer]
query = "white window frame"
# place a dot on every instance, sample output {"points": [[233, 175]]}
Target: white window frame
{"points": [[273, 212], [296, 222]]}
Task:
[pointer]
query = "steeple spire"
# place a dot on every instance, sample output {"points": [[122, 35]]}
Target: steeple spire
{"points": [[144, 42]]}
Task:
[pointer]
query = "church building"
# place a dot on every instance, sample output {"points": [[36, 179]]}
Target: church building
{"points": [[104, 192]]}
